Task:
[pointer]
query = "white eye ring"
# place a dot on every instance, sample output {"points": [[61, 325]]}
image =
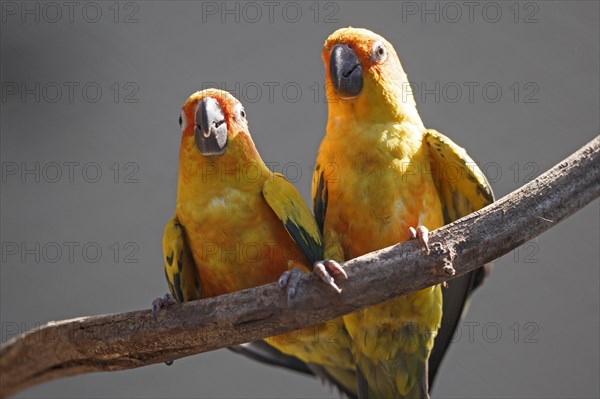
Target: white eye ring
{"points": [[240, 112], [378, 53], [182, 121]]}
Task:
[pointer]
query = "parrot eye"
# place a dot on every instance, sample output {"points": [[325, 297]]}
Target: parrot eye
{"points": [[378, 54], [182, 121], [240, 112]]}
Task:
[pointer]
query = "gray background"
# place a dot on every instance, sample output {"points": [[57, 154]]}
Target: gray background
{"points": [[547, 291]]}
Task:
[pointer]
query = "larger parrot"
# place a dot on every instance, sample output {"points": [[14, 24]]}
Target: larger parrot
{"points": [[238, 225], [379, 174]]}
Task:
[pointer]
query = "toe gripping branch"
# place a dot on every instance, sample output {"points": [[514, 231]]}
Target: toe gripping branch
{"points": [[326, 270], [421, 234]]}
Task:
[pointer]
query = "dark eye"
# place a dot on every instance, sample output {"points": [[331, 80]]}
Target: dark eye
{"points": [[182, 121], [240, 112], [378, 54]]}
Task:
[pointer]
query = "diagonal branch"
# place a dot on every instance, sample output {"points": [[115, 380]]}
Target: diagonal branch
{"points": [[135, 339]]}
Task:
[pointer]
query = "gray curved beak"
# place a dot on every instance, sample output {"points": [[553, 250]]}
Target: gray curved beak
{"points": [[210, 130], [345, 71]]}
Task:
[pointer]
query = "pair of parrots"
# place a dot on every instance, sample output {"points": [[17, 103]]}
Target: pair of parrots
{"points": [[238, 225]]}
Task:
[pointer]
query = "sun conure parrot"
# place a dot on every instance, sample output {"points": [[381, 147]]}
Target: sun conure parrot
{"points": [[379, 174], [238, 225]]}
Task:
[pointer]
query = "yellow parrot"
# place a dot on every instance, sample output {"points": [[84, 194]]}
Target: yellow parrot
{"points": [[379, 174], [238, 225]]}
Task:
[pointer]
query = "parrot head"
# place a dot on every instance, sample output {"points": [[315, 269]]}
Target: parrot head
{"points": [[212, 121], [362, 70]]}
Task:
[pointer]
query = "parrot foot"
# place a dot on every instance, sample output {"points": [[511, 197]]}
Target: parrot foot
{"points": [[157, 305], [421, 233], [328, 268], [290, 280], [324, 269], [160, 303]]}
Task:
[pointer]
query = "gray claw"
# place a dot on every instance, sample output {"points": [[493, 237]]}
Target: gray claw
{"points": [[290, 280], [160, 303], [283, 279]]}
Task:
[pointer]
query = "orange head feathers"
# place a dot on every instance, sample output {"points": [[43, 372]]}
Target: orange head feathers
{"points": [[215, 123], [362, 69]]}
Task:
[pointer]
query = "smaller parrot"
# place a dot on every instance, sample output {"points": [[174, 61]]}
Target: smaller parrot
{"points": [[238, 225]]}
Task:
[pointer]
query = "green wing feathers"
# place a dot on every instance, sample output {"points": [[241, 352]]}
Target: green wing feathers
{"points": [[320, 197], [290, 208], [180, 271]]}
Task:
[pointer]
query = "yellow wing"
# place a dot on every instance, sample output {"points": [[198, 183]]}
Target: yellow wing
{"points": [[290, 208], [463, 189], [180, 271], [462, 186]]}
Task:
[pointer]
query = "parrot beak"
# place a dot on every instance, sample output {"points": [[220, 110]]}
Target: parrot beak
{"points": [[345, 72], [210, 130]]}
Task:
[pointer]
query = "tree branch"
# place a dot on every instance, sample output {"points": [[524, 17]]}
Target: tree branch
{"points": [[135, 339]]}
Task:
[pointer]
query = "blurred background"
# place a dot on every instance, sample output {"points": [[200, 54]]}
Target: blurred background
{"points": [[91, 94]]}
